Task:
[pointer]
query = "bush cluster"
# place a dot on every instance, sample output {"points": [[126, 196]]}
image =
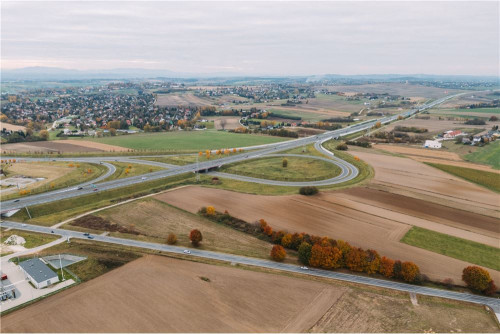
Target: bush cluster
{"points": [[308, 190]]}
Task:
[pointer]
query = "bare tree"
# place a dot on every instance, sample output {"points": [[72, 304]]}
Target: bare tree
{"points": [[223, 123]]}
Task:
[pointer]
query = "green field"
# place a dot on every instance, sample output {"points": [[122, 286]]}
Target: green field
{"points": [[489, 155], [298, 169], [454, 247], [187, 140], [474, 110], [489, 180]]}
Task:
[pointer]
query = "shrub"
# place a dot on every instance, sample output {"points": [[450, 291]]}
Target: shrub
{"points": [[171, 239], [286, 241], [491, 289], [278, 253], [195, 237], [305, 252], [475, 121], [341, 147], [285, 163], [476, 278], [308, 190], [493, 119]]}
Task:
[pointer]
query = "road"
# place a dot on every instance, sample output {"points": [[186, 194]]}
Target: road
{"points": [[466, 297], [207, 165]]}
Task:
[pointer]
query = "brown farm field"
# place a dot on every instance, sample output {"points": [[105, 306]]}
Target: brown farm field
{"points": [[431, 155], [12, 127], [63, 146], [231, 123], [435, 125], [160, 294], [183, 98], [403, 193]]}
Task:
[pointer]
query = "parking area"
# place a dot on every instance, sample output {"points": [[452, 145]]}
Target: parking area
{"points": [[23, 290]]}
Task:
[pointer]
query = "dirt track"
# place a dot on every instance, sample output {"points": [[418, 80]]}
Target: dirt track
{"points": [[159, 294]]}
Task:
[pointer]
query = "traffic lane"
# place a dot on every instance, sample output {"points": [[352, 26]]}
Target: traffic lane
{"points": [[492, 302]]}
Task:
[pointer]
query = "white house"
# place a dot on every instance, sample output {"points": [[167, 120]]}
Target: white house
{"points": [[432, 144], [38, 273]]}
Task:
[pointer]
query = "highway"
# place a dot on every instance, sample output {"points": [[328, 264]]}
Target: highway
{"points": [[466, 297], [203, 166]]}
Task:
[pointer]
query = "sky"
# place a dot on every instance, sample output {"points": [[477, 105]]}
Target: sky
{"points": [[254, 38]]}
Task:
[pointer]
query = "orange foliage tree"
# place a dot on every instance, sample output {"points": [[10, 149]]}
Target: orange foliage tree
{"points": [[409, 271], [195, 237], [386, 267], [210, 210], [476, 278], [278, 253]]}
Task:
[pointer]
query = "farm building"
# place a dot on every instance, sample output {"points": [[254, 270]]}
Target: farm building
{"points": [[38, 273], [432, 144], [452, 134]]}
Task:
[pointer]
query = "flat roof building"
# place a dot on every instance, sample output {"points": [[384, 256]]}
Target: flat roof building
{"points": [[38, 273]]}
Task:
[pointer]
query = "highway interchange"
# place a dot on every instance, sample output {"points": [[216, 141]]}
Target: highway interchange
{"points": [[256, 152], [348, 172]]}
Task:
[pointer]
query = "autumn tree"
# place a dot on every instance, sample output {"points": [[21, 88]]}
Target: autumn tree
{"points": [[210, 211], [476, 278], [278, 253], [397, 269], [195, 237], [491, 289], [386, 267], [277, 237], [409, 271], [287, 240], [356, 259], [285, 163], [316, 255], [171, 239], [372, 265], [44, 134], [305, 252]]}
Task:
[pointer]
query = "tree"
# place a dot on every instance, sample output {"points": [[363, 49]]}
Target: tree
{"points": [[308, 190], [222, 123], [356, 259], [285, 163], [372, 262], [195, 237], [491, 289], [210, 211], [44, 134], [397, 269], [278, 253], [286, 240], [341, 147], [476, 278], [305, 252], [171, 239], [386, 267], [316, 255], [409, 271]]}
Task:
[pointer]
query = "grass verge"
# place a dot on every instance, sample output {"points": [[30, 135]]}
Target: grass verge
{"points": [[125, 169], [454, 247], [32, 239]]}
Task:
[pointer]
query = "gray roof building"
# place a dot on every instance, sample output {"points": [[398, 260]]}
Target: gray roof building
{"points": [[38, 270]]}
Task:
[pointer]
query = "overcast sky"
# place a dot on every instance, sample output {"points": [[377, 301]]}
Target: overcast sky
{"points": [[278, 38]]}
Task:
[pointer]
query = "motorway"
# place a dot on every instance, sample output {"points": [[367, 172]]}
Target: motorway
{"points": [[466, 297], [207, 165]]}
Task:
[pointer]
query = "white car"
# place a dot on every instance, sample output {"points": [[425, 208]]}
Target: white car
{"points": [[143, 178], [24, 225], [304, 268], [187, 251]]}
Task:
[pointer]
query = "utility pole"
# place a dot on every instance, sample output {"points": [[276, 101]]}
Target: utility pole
{"points": [[60, 264]]}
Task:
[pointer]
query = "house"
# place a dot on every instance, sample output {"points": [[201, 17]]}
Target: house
{"points": [[39, 274], [432, 144], [451, 134]]}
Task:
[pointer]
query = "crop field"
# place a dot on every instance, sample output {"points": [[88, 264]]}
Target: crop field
{"points": [[182, 98], [298, 169], [489, 154], [225, 122], [166, 292], [454, 247], [60, 146], [155, 220], [410, 193], [436, 126], [11, 127], [188, 140], [486, 179], [125, 169], [401, 89], [56, 175]]}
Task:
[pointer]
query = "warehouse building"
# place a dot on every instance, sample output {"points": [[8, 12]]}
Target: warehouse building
{"points": [[38, 273]]}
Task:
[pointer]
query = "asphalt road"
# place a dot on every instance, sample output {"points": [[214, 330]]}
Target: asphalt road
{"points": [[207, 165], [494, 303]]}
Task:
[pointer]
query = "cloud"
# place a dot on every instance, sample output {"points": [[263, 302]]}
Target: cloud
{"points": [[255, 38]]}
